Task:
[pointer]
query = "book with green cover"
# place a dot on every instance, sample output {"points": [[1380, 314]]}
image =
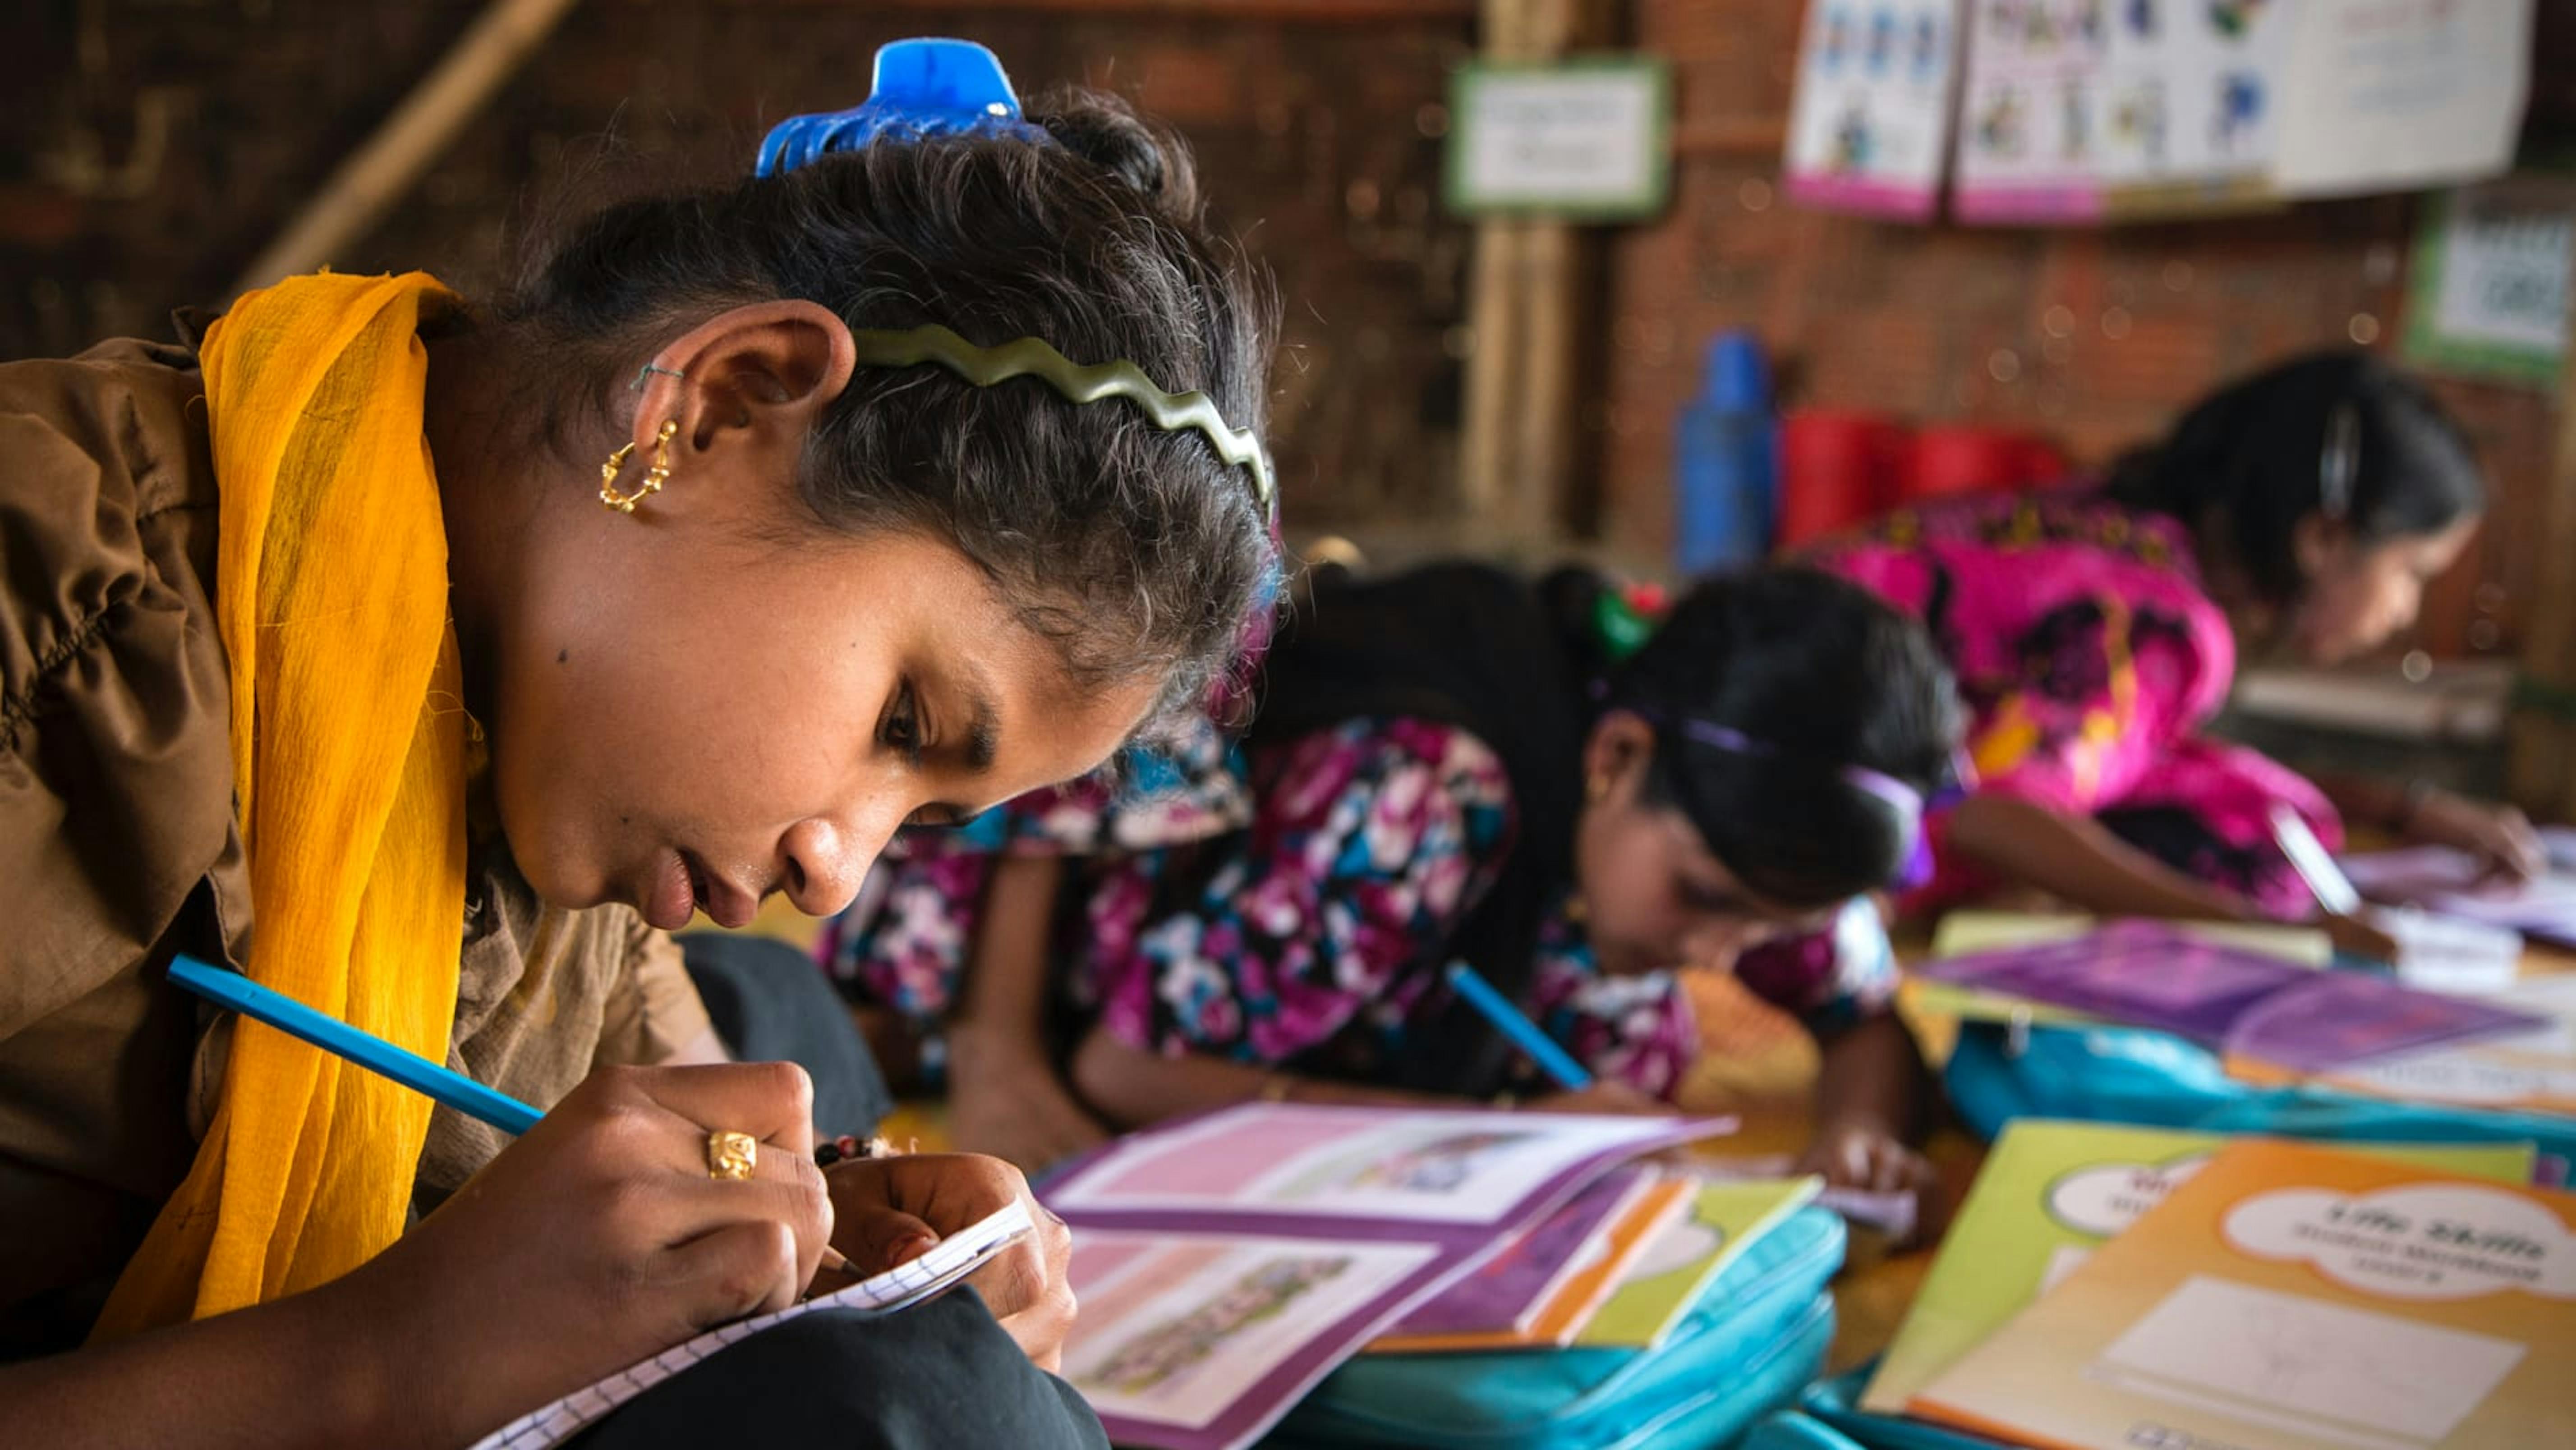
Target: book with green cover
{"points": [[1722, 1222], [2050, 1192]]}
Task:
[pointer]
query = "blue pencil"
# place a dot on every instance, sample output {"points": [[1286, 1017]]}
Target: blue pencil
{"points": [[1553, 1060], [231, 989]]}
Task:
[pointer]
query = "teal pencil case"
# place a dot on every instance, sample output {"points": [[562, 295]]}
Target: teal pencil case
{"points": [[1756, 1334], [2153, 1079], [1824, 1419]]}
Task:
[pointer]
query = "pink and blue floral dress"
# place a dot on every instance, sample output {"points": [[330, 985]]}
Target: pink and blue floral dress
{"points": [[1291, 905]]}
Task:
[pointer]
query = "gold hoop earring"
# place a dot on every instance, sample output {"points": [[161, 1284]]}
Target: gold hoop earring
{"points": [[654, 477], [1597, 789]]}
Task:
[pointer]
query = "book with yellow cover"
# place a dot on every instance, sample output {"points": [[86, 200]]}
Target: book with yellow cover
{"points": [[2289, 1297], [1586, 1277], [2049, 1194], [1693, 1248]]}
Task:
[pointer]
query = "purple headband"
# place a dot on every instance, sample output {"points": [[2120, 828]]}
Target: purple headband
{"points": [[1908, 801]]}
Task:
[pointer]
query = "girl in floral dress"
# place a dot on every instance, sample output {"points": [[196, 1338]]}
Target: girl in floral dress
{"points": [[2091, 635], [1448, 766]]}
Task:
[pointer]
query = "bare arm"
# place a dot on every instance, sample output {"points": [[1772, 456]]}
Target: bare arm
{"points": [[1006, 1095], [1133, 1088], [591, 1242], [1003, 1004], [301, 1371], [2077, 860], [1872, 1077]]}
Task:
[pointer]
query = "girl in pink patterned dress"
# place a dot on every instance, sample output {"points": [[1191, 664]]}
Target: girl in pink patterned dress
{"points": [[2091, 638], [1446, 767]]}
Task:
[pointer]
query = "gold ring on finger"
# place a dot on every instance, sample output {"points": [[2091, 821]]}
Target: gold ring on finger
{"points": [[732, 1155]]}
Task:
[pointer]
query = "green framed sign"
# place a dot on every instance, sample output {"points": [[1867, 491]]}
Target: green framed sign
{"points": [[1588, 138], [2488, 295]]}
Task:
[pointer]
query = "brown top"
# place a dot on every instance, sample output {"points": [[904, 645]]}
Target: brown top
{"points": [[118, 848]]}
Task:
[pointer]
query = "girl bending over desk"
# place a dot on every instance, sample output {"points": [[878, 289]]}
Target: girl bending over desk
{"points": [[2094, 634], [1447, 766], [427, 660]]}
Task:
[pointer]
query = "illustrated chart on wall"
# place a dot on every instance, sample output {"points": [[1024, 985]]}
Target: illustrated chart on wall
{"points": [[1869, 130], [2383, 97], [2080, 110]]}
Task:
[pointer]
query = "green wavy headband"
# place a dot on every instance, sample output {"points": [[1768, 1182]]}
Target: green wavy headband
{"points": [[1079, 383]]}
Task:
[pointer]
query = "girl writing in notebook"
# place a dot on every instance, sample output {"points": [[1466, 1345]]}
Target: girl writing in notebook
{"points": [[429, 659], [1450, 766], [2095, 633]]}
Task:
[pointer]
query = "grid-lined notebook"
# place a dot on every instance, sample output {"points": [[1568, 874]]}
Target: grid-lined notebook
{"points": [[893, 1291]]}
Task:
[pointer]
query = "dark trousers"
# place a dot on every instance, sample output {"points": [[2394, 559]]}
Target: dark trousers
{"points": [[940, 1377], [771, 1003]]}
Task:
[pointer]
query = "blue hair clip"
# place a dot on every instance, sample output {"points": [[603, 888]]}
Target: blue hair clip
{"points": [[923, 88]]}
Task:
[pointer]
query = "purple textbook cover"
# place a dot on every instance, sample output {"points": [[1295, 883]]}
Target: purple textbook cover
{"points": [[2336, 1018], [2144, 974], [2141, 973]]}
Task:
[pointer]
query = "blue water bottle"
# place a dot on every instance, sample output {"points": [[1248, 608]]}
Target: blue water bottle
{"points": [[1726, 468]]}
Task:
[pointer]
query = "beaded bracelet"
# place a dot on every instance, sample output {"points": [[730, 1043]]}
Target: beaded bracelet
{"points": [[848, 1146]]}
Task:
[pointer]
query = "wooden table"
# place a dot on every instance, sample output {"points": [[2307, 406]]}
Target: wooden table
{"points": [[1765, 1082]]}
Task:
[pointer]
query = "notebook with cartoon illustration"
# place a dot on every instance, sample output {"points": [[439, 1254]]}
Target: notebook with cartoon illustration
{"points": [[2290, 1297]]}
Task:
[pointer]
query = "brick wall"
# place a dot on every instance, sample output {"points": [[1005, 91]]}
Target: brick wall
{"points": [[153, 146], [2096, 337]]}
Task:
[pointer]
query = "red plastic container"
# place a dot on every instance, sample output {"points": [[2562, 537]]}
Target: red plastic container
{"points": [[1835, 471], [1948, 460]]}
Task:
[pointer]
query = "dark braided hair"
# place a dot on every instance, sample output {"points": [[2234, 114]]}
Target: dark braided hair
{"points": [[1134, 551]]}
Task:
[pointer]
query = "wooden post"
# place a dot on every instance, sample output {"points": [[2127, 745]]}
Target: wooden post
{"points": [[1524, 308], [2542, 774], [380, 173]]}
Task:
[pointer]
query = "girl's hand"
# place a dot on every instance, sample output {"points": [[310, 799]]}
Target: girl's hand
{"points": [[1006, 1099], [596, 1240], [2355, 937], [2500, 837], [1865, 1157], [891, 1210], [1604, 1096]]}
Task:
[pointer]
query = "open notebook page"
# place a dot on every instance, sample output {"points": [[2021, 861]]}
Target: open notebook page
{"points": [[897, 1289]]}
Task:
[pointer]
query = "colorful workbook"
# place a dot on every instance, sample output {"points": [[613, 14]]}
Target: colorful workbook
{"points": [[1724, 1220], [2146, 974], [2049, 1194], [1546, 1284], [2290, 1297], [1228, 1262]]}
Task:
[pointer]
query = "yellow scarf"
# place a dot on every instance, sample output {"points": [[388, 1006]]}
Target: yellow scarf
{"points": [[349, 777]]}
